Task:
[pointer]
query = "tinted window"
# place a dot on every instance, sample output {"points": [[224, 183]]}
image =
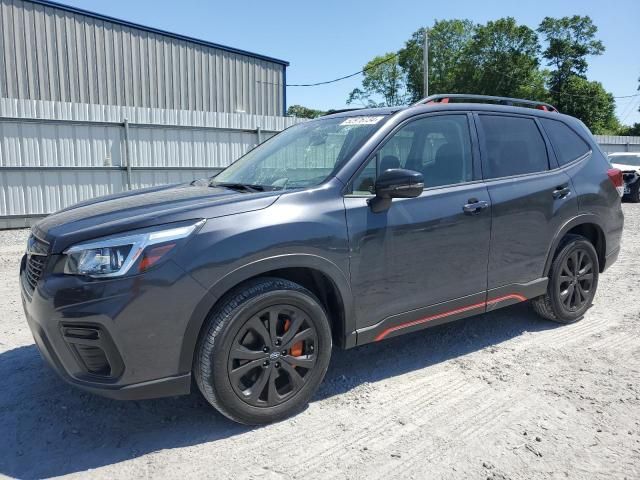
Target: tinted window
{"points": [[303, 155], [438, 147], [512, 146], [567, 144]]}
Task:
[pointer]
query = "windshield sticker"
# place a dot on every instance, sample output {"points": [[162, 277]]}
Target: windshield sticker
{"points": [[370, 120]]}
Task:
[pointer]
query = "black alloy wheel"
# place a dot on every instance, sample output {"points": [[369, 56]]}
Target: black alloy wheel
{"points": [[575, 282], [272, 356], [264, 351]]}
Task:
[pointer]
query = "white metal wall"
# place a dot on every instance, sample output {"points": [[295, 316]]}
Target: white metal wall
{"points": [[58, 54], [612, 143], [55, 154]]}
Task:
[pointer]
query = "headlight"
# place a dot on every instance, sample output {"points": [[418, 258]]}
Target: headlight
{"points": [[114, 256]]}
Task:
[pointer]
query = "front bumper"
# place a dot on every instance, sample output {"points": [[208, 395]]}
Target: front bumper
{"points": [[134, 325]]}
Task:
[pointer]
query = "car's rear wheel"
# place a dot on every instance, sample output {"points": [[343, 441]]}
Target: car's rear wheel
{"points": [[264, 351], [573, 279], [634, 192]]}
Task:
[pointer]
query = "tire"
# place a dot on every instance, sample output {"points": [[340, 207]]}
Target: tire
{"points": [[634, 192], [263, 351], [570, 293]]}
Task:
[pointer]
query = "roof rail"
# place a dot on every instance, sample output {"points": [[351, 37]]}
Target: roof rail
{"points": [[444, 98]]}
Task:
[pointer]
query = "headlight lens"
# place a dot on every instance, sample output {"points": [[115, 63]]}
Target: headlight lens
{"points": [[115, 256]]}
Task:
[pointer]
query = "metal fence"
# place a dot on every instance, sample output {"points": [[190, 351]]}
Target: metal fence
{"points": [[55, 154], [612, 143]]}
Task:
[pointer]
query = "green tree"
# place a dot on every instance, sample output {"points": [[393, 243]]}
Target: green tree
{"points": [[303, 112], [633, 130], [448, 40], [498, 58], [501, 58], [384, 83], [592, 104], [569, 41]]}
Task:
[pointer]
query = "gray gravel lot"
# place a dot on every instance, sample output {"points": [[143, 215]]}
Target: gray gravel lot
{"points": [[503, 395]]}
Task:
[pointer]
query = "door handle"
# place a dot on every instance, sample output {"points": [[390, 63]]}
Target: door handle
{"points": [[561, 191], [474, 206]]}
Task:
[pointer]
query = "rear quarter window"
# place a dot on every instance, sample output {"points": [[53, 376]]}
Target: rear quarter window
{"points": [[512, 146], [567, 144]]}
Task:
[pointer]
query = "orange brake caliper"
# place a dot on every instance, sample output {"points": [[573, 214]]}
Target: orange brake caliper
{"points": [[296, 348]]}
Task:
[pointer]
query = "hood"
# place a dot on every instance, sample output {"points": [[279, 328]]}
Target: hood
{"points": [[144, 208], [624, 167]]}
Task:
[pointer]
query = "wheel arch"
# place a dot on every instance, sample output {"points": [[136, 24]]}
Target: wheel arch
{"points": [[590, 227], [319, 275]]}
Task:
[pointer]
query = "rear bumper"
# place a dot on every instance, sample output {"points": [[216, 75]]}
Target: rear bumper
{"points": [[138, 324]]}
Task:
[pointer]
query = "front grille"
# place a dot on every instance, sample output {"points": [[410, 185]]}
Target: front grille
{"points": [[33, 272], [37, 251]]}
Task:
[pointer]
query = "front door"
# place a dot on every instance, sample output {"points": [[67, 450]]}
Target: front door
{"points": [[427, 256]]}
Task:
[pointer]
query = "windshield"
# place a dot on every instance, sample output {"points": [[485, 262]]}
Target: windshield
{"points": [[626, 159], [301, 156]]}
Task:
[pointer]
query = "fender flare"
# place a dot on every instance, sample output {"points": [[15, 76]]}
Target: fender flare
{"points": [[582, 219], [256, 268]]}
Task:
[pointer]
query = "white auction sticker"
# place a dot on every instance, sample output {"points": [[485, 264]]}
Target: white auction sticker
{"points": [[369, 120]]}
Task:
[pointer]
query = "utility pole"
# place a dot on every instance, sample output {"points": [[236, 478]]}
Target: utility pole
{"points": [[425, 63]]}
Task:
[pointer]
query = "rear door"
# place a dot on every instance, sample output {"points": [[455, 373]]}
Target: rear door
{"points": [[531, 199]]}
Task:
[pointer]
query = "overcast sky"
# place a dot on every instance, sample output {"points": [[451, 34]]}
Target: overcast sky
{"points": [[330, 38]]}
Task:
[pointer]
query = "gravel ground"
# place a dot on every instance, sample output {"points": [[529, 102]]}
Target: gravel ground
{"points": [[503, 395]]}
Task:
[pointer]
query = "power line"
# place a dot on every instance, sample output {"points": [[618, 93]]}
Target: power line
{"points": [[634, 105], [392, 57], [576, 95], [628, 104], [370, 67]]}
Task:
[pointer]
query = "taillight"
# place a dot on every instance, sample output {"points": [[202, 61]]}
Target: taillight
{"points": [[615, 175]]}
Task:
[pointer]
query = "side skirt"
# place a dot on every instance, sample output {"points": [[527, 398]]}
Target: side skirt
{"points": [[452, 310]]}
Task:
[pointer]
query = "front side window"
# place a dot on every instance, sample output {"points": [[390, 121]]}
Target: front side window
{"points": [[439, 147], [512, 146], [304, 155], [566, 143]]}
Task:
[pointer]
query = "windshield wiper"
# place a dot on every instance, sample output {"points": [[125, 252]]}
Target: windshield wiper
{"points": [[238, 186]]}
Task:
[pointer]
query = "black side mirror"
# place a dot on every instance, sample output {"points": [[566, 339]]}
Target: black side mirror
{"points": [[395, 183]]}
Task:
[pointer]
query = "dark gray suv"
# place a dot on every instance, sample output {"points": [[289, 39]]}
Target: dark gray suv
{"points": [[349, 229]]}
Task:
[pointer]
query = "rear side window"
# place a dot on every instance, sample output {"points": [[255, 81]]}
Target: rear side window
{"points": [[512, 146], [567, 144]]}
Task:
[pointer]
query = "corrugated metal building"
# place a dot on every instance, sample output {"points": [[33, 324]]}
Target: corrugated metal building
{"points": [[54, 52], [91, 105]]}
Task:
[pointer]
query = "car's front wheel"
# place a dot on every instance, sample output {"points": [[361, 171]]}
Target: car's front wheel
{"points": [[264, 351], [573, 279]]}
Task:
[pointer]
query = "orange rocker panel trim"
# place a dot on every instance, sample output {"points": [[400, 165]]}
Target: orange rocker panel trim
{"points": [[512, 296]]}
